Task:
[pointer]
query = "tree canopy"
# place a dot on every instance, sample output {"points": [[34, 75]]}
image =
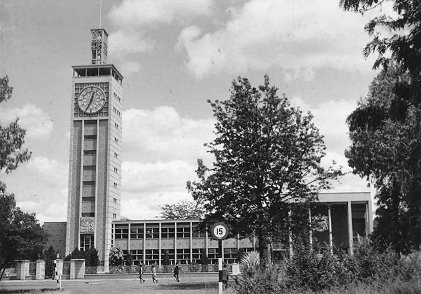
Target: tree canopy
{"points": [[12, 138], [387, 151], [182, 210], [267, 157], [396, 38], [21, 236]]}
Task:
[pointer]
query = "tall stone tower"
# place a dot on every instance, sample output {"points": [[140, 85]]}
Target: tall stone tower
{"points": [[95, 152]]}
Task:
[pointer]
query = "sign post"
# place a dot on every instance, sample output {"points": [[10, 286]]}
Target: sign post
{"points": [[220, 232]]}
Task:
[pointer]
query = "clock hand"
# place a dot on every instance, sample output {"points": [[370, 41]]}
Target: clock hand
{"points": [[90, 101]]}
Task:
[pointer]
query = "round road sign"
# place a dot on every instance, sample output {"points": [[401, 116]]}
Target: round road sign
{"points": [[219, 231]]}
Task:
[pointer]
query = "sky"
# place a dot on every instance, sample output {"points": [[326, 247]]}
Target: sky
{"points": [[174, 56]]}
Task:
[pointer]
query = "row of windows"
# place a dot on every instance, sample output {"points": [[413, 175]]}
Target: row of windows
{"points": [[117, 97], [153, 233], [116, 125], [116, 111]]}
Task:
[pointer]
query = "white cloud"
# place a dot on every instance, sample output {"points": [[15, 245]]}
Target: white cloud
{"points": [[32, 118], [136, 18], [330, 118], [297, 36], [156, 177], [147, 205], [49, 170], [162, 134]]}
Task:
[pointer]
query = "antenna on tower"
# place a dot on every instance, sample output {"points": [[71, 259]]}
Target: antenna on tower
{"points": [[100, 14]]}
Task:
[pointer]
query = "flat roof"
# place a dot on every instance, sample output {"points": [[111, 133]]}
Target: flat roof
{"points": [[98, 66]]}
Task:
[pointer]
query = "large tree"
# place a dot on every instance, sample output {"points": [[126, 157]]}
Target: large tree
{"points": [[21, 236], [182, 210], [12, 138], [396, 38], [388, 151], [267, 157]]}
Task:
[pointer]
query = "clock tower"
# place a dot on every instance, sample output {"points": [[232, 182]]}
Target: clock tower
{"points": [[95, 152]]}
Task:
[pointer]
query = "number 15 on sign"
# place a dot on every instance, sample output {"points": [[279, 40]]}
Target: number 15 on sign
{"points": [[219, 231]]}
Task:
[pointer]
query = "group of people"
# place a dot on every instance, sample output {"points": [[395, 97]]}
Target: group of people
{"points": [[224, 274], [153, 270]]}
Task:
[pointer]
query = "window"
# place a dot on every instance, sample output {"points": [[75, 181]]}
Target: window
{"points": [[90, 137], [136, 232], [151, 256], [137, 256], [115, 170], [152, 232], [183, 256], [170, 253], [116, 125], [230, 255], [88, 214], [196, 255], [115, 200], [196, 233], [115, 185], [121, 232], [114, 215], [213, 255], [86, 241], [115, 155], [89, 167], [167, 231], [116, 140], [183, 230]]}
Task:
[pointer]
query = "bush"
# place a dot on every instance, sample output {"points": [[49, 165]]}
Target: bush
{"points": [[308, 272]]}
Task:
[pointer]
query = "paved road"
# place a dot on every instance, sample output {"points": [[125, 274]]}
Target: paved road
{"points": [[188, 285]]}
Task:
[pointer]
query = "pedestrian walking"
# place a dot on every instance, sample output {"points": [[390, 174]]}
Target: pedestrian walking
{"points": [[141, 273], [225, 276], [153, 269], [176, 272]]}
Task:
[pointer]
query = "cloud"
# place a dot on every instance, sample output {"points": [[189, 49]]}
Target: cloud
{"points": [[297, 36], [32, 118], [330, 117], [158, 176], [135, 19], [162, 134], [49, 170]]}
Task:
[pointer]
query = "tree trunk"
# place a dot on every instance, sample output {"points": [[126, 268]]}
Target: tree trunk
{"points": [[265, 250]]}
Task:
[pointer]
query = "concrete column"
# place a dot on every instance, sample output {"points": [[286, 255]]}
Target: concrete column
{"points": [[22, 269], [159, 245], [238, 241], [206, 242], [191, 242], [175, 242], [144, 243], [40, 269], [350, 236], [77, 269], [310, 236], [329, 218], [291, 251], [128, 239]]}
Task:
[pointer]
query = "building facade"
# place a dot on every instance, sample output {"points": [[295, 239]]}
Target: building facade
{"points": [[95, 151], [349, 218]]}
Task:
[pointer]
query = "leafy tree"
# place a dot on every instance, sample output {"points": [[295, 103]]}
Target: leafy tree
{"points": [[388, 151], [50, 255], [183, 209], [90, 256], [12, 138], [267, 157], [21, 236], [400, 44], [166, 258], [204, 260], [116, 256]]}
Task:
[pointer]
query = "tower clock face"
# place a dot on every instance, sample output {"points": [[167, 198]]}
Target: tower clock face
{"points": [[91, 99]]}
